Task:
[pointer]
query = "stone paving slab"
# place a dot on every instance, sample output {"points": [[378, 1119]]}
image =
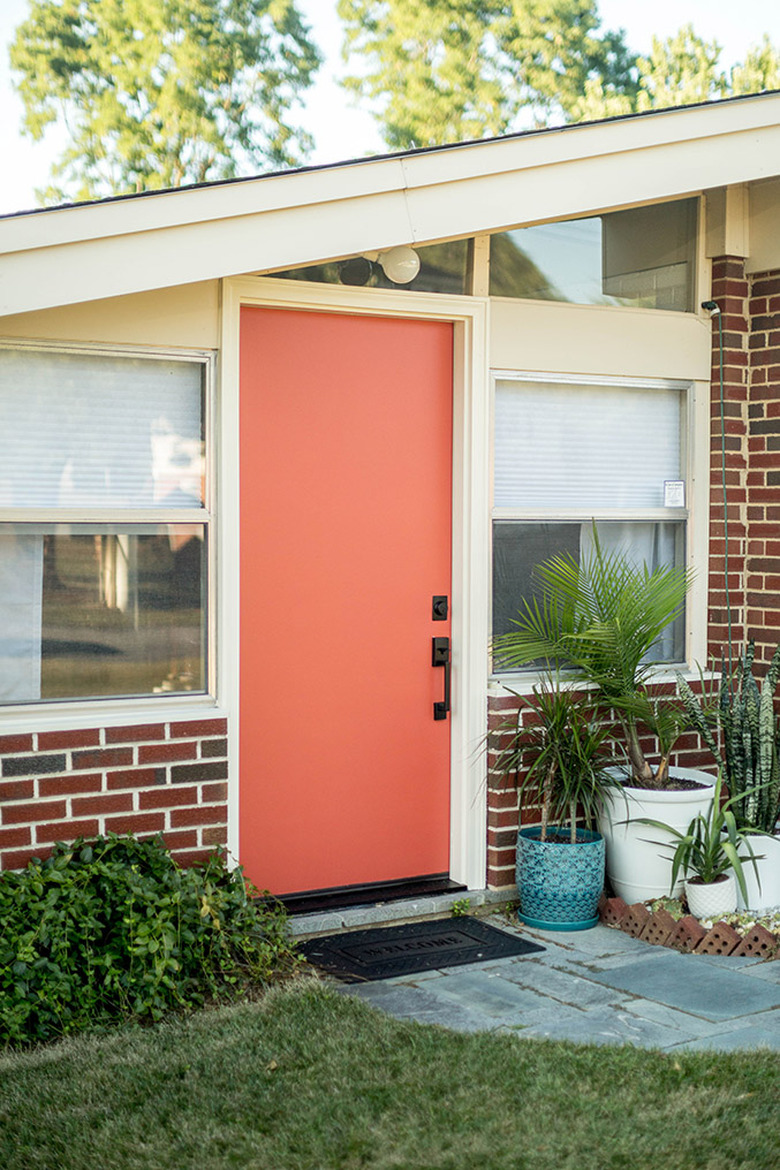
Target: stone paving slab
{"points": [[608, 1026], [684, 1022], [412, 1003], [563, 986], [751, 1036], [690, 983]]}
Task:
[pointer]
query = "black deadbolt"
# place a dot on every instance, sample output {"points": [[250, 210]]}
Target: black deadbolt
{"points": [[440, 609]]}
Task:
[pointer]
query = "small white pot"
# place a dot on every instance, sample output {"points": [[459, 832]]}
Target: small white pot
{"points": [[767, 895], [714, 899]]}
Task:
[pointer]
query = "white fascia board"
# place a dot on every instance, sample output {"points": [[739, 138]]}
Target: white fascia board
{"points": [[120, 247], [119, 265], [594, 139], [583, 186], [192, 205]]}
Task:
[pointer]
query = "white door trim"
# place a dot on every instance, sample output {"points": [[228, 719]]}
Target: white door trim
{"points": [[470, 531]]}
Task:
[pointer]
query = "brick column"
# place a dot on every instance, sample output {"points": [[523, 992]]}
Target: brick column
{"points": [[730, 291], [763, 568]]}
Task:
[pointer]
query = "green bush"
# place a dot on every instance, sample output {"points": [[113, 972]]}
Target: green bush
{"points": [[113, 929]]}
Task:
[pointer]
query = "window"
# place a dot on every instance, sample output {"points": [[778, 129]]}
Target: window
{"points": [[643, 257], [566, 454], [104, 524], [444, 268]]}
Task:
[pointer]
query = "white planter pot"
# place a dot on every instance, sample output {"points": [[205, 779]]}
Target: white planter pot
{"points": [[638, 868], [714, 899], [767, 895]]}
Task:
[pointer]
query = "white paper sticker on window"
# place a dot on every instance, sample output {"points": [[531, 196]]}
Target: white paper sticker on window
{"points": [[674, 493]]}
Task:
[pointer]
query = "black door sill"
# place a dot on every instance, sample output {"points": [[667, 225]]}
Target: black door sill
{"points": [[342, 897]]}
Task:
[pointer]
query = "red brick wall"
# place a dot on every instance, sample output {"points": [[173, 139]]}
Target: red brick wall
{"points": [[503, 812], [730, 291], [751, 333], [143, 779], [763, 476]]}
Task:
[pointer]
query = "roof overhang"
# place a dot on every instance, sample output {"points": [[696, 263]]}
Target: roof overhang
{"points": [[111, 248]]}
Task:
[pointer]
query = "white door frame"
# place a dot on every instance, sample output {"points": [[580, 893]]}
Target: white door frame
{"points": [[470, 532]]}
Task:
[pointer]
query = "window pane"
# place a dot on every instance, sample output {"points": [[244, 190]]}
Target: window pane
{"points": [[83, 430], [519, 546], [443, 269], [98, 612], [642, 257], [585, 446]]}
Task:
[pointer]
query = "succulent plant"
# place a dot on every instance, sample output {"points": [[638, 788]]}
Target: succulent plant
{"points": [[750, 734]]}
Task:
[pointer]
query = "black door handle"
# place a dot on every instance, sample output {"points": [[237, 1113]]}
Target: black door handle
{"points": [[441, 657]]}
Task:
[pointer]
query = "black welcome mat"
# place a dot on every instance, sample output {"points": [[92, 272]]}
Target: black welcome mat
{"points": [[418, 946]]}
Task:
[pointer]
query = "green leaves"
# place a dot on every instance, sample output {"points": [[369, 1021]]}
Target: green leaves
{"points": [[157, 93], [680, 70], [111, 929], [710, 845], [555, 751], [600, 617], [451, 70], [751, 738]]}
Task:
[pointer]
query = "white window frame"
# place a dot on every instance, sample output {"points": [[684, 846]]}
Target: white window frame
{"points": [[695, 470], [110, 711]]}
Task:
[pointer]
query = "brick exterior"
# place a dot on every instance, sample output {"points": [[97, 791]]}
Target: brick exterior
{"points": [[147, 778], [751, 328], [750, 307]]}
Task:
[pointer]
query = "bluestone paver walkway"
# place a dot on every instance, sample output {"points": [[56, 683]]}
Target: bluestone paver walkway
{"points": [[598, 986]]}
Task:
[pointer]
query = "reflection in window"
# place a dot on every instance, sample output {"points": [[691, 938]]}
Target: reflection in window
{"points": [[93, 612], [103, 524], [643, 257], [444, 268], [519, 547]]}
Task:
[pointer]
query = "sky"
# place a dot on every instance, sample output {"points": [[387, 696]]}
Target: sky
{"points": [[342, 131]]}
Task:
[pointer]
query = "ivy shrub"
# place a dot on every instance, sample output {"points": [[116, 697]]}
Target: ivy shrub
{"points": [[112, 929]]}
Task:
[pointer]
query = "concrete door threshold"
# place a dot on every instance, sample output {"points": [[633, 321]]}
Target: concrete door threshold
{"points": [[391, 913]]}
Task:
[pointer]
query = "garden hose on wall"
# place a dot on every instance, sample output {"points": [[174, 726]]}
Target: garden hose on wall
{"points": [[714, 310]]}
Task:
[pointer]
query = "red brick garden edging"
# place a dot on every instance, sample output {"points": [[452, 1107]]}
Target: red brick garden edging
{"points": [[687, 934]]}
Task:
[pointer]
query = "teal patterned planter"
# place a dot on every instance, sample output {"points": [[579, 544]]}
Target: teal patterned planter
{"points": [[559, 883]]}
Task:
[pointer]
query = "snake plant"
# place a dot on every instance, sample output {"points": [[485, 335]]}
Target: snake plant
{"points": [[750, 735]]}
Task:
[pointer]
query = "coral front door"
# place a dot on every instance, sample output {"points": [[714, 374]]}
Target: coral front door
{"points": [[346, 489]]}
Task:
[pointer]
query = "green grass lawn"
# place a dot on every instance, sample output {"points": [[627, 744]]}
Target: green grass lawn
{"points": [[309, 1078]]}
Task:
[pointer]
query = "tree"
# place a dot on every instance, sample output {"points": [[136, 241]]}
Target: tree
{"points": [[447, 70], [681, 70], [759, 71], [156, 93]]}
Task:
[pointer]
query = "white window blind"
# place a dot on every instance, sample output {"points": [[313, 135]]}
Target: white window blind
{"points": [[21, 597], [86, 430], [583, 446]]}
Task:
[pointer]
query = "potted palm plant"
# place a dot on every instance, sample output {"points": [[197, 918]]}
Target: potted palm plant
{"points": [[750, 762], [707, 855], [599, 618], [555, 751]]}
